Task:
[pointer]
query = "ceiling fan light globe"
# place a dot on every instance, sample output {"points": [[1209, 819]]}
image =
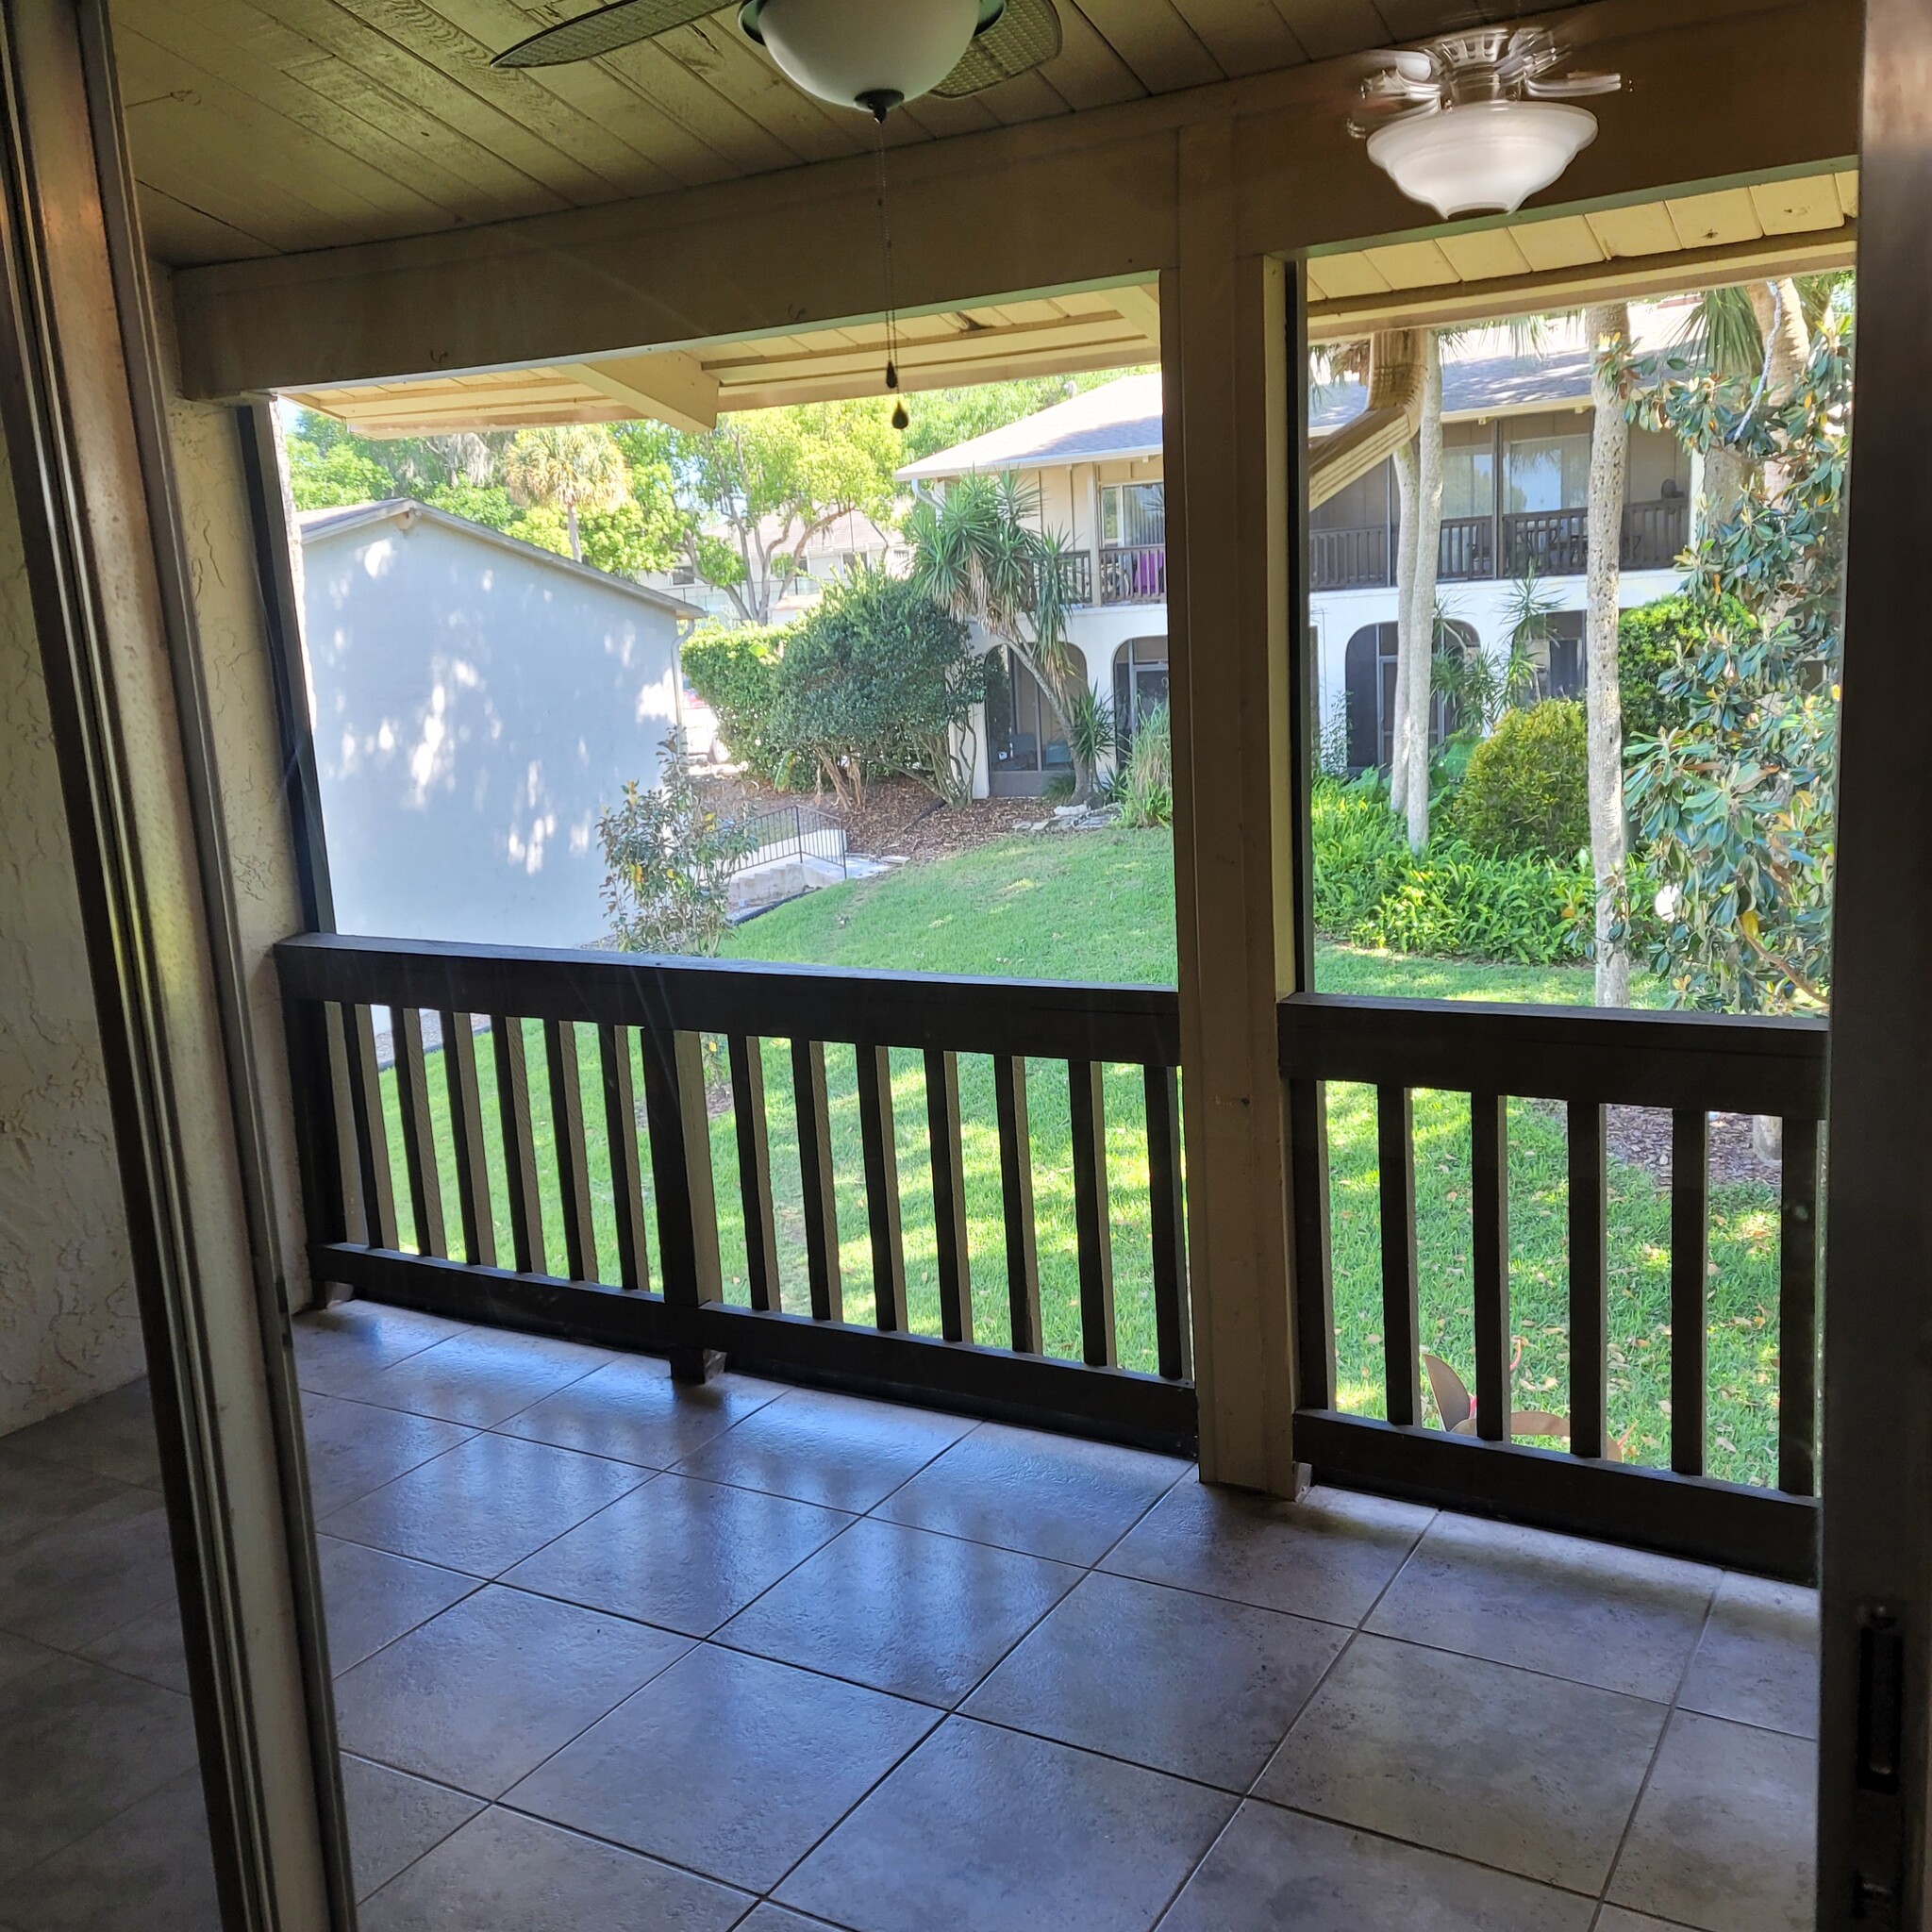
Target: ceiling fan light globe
{"points": [[1482, 157], [846, 51]]}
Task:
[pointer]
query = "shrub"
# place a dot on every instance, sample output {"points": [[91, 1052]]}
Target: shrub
{"points": [[1361, 852], [1526, 790], [1146, 789], [1651, 639], [736, 672]]}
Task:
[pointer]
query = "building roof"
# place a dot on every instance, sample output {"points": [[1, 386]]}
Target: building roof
{"points": [[1117, 421], [325, 526]]}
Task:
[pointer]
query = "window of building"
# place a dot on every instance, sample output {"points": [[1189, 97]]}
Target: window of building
{"points": [[1140, 683], [1025, 744], [1133, 515], [1543, 474]]}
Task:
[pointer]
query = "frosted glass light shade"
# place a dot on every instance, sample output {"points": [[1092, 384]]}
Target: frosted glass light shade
{"points": [[851, 52], [1483, 156]]}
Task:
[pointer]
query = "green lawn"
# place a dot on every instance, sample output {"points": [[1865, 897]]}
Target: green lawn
{"points": [[1099, 905]]}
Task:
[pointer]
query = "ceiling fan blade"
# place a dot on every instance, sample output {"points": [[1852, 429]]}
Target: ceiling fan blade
{"points": [[1384, 111], [1025, 35], [1573, 86], [603, 32]]}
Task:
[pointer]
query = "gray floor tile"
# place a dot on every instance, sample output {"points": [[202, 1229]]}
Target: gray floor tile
{"points": [[74, 1583], [112, 1436], [149, 1647], [1329, 1555], [1023, 1489], [1615, 1918], [633, 1410], [372, 1597], [485, 1693], [1724, 1838], [82, 1743], [36, 1495], [502, 1873], [483, 1377], [485, 1505], [1620, 1619], [1279, 1871], [729, 1764], [1187, 1684], [393, 1819], [771, 1918], [1534, 1774], [148, 1869], [1757, 1658], [683, 1553], [920, 1615], [356, 1446], [986, 1830], [339, 1349], [834, 1450], [18, 1656]]}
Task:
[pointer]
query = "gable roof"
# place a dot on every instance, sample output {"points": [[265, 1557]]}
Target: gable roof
{"points": [[1106, 425], [325, 526]]}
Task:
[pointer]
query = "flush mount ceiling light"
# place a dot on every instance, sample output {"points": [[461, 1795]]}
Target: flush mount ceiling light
{"points": [[1476, 122]]}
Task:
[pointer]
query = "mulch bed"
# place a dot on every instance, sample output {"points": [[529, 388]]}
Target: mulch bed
{"points": [[1640, 1137], [898, 820]]}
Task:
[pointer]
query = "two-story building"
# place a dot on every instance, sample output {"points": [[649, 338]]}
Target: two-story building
{"points": [[1516, 465]]}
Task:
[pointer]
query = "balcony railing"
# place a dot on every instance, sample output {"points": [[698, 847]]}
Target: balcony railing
{"points": [[1467, 548], [1074, 568], [1654, 534], [1349, 559], [1690, 1064], [1552, 543], [1133, 573], [576, 1210]]}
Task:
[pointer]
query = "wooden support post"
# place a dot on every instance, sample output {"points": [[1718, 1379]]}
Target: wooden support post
{"points": [[1233, 514]]}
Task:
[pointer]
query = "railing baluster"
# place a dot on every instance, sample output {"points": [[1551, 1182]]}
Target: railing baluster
{"points": [[1689, 1246], [817, 1187], [681, 1174], [1590, 1282], [755, 1171], [372, 1135], [627, 1178], [949, 1195], [1402, 1329], [419, 1131], [1016, 1203], [519, 1148], [1797, 1313], [567, 1122], [466, 1138], [1099, 1347], [881, 1184], [1488, 1131], [1314, 1285], [1167, 1219]]}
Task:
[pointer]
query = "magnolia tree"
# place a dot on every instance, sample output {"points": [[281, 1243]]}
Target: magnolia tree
{"points": [[1737, 807]]}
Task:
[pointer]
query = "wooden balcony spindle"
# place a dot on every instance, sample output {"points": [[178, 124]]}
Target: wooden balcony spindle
{"points": [[466, 1138], [818, 1193], [1099, 1344], [948, 1194], [1016, 1203], [1314, 1283], [875, 1064], [681, 1180], [419, 1132], [374, 1177], [1489, 1124], [1167, 1216], [1402, 1337], [755, 1171], [1590, 1280], [518, 1145], [626, 1176], [573, 1170], [1797, 1313], [1689, 1265]]}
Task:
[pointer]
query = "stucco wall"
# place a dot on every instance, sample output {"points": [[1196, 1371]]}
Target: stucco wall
{"points": [[69, 1327], [474, 712]]}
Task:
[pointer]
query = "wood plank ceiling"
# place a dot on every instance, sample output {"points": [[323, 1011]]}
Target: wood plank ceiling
{"points": [[265, 126]]}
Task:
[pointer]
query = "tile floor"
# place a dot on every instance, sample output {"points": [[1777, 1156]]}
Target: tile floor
{"points": [[615, 1656]]}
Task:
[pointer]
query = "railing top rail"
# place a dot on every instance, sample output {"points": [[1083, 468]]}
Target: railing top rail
{"points": [[1707, 1060], [1040, 1019]]}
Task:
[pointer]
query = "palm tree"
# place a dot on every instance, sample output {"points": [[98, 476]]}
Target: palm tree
{"points": [[979, 552], [1422, 539], [573, 465]]}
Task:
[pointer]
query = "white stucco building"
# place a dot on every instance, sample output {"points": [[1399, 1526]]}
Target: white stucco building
{"points": [[478, 702]]}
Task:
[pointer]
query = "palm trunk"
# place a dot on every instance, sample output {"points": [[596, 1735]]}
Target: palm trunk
{"points": [[1610, 462], [1405, 493], [1422, 591], [570, 519]]}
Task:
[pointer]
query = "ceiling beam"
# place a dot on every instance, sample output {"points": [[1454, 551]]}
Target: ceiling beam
{"points": [[668, 386], [1140, 304]]}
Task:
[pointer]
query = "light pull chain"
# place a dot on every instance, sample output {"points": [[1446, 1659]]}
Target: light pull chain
{"points": [[899, 416]]}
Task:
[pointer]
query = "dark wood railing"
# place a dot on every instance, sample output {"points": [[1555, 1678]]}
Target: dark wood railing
{"points": [[1133, 573], [1076, 572], [1468, 548], [1688, 1063], [1654, 534], [573, 1039], [1349, 559], [1552, 543]]}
